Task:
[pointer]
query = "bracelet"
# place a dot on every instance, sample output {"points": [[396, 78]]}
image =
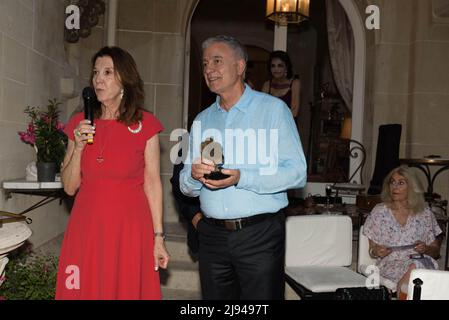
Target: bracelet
{"points": [[371, 253], [160, 234]]}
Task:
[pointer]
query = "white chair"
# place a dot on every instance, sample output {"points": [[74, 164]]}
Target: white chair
{"points": [[435, 284], [365, 261], [318, 254]]}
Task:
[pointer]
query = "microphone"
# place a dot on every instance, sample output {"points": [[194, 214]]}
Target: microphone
{"points": [[90, 99]]}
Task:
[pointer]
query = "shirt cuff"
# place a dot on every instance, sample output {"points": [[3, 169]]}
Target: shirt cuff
{"points": [[243, 181]]}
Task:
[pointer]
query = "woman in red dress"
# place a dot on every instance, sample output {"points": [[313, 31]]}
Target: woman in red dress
{"points": [[114, 242]]}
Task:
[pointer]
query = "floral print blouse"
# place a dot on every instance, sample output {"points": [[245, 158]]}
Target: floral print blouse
{"points": [[382, 228]]}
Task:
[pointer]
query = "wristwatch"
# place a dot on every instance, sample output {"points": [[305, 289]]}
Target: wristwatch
{"points": [[160, 234]]}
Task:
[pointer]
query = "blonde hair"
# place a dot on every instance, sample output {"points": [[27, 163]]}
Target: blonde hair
{"points": [[415, 197]]}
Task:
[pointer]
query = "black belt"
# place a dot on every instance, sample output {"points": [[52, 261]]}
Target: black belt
{"points": [[240, 223]]}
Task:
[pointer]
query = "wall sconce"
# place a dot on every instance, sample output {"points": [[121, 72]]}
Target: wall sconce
{"points": [[283, 12], [346, 128]]}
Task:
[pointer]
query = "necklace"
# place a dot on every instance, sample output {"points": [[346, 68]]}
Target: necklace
{"points": [[139, 128], [100, 158], [280, 85]]}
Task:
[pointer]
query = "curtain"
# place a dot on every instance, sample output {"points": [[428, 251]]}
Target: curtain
{"points": [[341, 50]]}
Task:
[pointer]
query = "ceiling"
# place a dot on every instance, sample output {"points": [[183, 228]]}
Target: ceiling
{"points": [[229, 10]]}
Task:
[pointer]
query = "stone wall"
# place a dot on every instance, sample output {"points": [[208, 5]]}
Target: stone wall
{"points": [[411, 84], [153, 31], [33, 62]]}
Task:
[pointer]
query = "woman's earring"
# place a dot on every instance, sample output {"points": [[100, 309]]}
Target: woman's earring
{"points": [[121, 94]]}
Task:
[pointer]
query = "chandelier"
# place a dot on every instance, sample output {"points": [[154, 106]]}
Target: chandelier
{"points": [[284, 12], [90, 12]]}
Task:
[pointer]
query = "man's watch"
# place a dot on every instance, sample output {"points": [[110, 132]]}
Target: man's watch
{"points": [[160, 234]]}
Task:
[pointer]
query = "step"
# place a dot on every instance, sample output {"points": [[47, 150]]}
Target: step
{"points": [[179, 250], [178, 294], [290, 294], [181, 275], [171, 214], [182, 280], [176, 229]]}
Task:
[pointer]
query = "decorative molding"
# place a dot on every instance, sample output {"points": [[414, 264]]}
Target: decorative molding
{"points": [[440, 11], [90, 12]]}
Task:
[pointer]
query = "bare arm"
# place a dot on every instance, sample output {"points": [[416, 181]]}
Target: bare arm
{"points": [[432, 249], [266, 87], [71, 167], [196, 218], [153, 192], [378, 251], [296, 91]]}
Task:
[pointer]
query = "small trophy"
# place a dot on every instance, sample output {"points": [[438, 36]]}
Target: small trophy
{"points": [[213, 151]]}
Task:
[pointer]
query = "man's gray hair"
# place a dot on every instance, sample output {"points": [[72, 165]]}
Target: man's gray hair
{"points": [[238, 48]]}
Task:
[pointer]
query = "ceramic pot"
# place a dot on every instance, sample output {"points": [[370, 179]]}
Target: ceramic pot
{"points": [[46, 171]]}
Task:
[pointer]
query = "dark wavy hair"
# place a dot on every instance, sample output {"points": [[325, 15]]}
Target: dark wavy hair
{"points": [[283, 56], [125, 68]]}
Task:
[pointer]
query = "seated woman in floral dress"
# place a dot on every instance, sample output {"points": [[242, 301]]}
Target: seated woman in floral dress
{"points": [[402, 231]]}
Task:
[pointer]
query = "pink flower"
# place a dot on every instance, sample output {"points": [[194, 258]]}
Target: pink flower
{"points": [[60, 126], [2, 298], [45, 118], [27, 137], [44, 132]]}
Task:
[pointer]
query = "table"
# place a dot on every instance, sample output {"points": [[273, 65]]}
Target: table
{"points": [[424, 165], [49, 190]]}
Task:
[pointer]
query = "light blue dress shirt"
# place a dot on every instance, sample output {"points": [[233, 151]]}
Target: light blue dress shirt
{"points": [[259, 137]]}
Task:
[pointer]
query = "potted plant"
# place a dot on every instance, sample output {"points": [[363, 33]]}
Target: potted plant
{"points": [[45, 133]]}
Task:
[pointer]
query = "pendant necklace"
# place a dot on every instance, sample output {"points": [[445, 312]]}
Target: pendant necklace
{"points": [[100, 158]]}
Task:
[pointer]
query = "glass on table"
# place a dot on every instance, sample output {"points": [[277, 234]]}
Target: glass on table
{"points": [[327, 208], [328, 196]]}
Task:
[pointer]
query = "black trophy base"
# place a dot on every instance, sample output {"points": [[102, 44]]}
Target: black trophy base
{"points": [[216, 175]]}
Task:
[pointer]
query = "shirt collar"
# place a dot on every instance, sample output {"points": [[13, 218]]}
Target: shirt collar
{"points": [[242, 104]]}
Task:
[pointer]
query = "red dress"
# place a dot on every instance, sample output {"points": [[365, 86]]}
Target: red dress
{"points": [[107, 252]]}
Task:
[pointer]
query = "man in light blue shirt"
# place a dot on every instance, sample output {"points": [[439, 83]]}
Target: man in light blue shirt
{"points": [[242, 231]]}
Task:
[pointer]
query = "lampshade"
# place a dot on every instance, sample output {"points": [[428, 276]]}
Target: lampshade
{"points": [[287, 11], [346, 128]]}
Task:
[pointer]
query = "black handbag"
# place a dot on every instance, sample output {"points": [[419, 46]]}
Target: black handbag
{"points": [[363, 293]]}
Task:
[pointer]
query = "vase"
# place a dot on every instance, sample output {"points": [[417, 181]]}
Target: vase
{"points": [[46, 171]]}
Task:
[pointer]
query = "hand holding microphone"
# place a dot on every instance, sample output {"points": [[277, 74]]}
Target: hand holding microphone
{"points": [[90, 99], [82, 133]]}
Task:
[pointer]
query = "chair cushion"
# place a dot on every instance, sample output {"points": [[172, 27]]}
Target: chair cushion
{"points": [[318, 240], [363, 269], [325, 278]]}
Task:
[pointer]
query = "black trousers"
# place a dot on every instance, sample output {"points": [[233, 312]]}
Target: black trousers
{"points": [[247, 264]]}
